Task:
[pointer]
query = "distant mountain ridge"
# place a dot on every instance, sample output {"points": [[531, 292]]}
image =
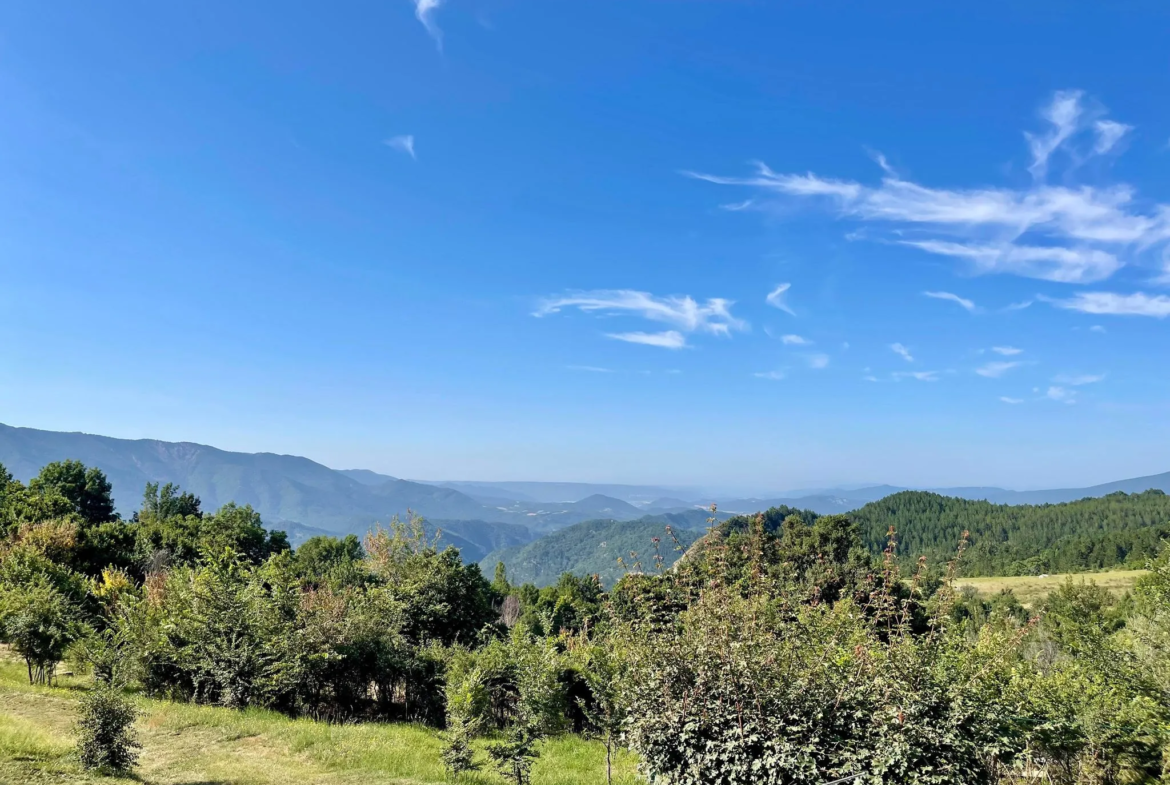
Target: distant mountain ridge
{"points": [[562, 492], [302, 495], [283, 488]]}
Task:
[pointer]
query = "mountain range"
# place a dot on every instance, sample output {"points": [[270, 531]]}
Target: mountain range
{"points": [[305, 497]]}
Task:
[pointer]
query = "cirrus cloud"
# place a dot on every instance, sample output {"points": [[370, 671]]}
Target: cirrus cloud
{"points": [[794, 340], [670, 339], [1114, 304], [997, 369], [403, 143], [424, 12], [962, 302], [683, 313], [776, 298], [1062, 233]]}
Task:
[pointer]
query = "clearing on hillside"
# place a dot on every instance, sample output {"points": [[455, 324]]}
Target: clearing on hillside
{"points": [[1033, 588]]}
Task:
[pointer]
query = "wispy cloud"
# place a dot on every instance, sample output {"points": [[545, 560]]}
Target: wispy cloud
{"points": [[962, 301], [997, 369], [1013, 401], [771, 375], [404, 143], [922, 376], [777, 298], [670, 339], [1111, 303], [794, 340], [683, 313], [1019, 306], [1082, 379], [1064, 233], [1007, 351], [1109, 134], [1096, 328], [817, 361], [1061, 394], [1049, 263], [902, 352], [424, 11], [588, 369], [1063, 115]]}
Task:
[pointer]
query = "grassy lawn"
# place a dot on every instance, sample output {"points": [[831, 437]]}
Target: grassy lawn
{"points": [[199, 745], [1033, 588]]}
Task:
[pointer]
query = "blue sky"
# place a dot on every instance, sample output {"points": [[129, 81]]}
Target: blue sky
{"points": [[743, 245]]}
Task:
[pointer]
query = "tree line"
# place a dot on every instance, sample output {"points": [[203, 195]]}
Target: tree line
{"points": [[779, 649], [1115, 531]]}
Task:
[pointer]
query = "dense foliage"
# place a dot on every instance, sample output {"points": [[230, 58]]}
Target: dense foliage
{"points": [[781, 648], [1119, 530]]}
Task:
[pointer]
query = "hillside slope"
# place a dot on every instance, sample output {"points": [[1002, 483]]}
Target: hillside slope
{"points": [[1091, 534], [283, 488], [593, 547]]}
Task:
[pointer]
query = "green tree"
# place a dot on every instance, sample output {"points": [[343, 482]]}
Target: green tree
{"points": [[323, 559], [41, 622], [86, 489], [168, 502], [500, 580], [602, 663]]}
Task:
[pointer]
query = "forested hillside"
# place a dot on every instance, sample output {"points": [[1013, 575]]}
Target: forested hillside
{"points": [[594, 547], [1114, 531], [895, 674]]}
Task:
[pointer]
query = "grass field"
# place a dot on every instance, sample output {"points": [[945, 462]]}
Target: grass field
{"points": [[1032, 588], [199, 745]]}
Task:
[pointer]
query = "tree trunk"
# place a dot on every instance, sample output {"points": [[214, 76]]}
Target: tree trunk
{"points": [[608, 758]]}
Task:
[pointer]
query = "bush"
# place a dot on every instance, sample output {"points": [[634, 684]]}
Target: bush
{"points": [[105, 731], [756, 690], [514, 756], [456, 753]]}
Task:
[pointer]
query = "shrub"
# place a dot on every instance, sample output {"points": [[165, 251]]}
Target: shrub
{"points": [[514, 756], [759, 690], [456, 752], [105, 731]]}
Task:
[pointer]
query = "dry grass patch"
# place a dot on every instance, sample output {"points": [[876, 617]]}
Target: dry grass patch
{"points": [[1030, 589]]}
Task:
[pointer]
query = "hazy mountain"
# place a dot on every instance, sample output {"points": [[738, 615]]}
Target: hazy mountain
{"points": [[475, 539], [844, 500], [608, 506], [1159, 482], [670, 503], [365, 476], [822, 505], [288, 490], [283, 488], [593, 547], [553, 492], [487, 491]]}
